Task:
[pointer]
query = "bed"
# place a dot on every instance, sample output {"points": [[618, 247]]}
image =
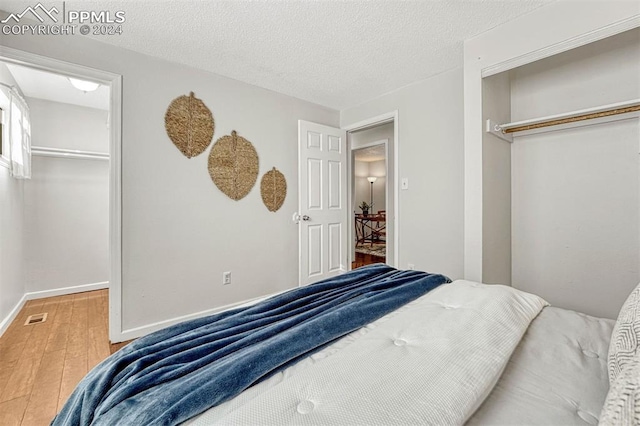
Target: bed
{"points": [[458, 352]]}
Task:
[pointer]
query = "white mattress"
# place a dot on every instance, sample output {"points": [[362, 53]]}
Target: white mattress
{"points": [[432, 361], [556, 376]]}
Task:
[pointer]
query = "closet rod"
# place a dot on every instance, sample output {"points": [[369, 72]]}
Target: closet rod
{"points": [[571, 117], [68, 153]]}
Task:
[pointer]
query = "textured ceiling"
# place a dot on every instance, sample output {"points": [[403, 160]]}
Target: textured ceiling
{"points": [[336, 53], [372, 153]]}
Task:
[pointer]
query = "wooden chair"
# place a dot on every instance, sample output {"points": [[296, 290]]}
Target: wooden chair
{"points": [[379, 231]]}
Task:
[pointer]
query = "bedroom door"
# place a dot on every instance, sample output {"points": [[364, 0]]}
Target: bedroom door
{"points": [[322, 198]]}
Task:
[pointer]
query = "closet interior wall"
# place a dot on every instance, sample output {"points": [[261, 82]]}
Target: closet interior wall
{"points": [[66, 202], [11, 244], [496, 178], [573, 214]]}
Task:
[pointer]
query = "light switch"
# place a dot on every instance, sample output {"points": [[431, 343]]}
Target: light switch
{"points": [[405, 183]]}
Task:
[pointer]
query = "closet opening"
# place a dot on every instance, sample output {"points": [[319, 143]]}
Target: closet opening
{"points": [[561, 177], [70, 234]]}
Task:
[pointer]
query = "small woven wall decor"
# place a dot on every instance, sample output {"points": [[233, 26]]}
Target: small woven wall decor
{"points": [[189, 124], [273, 188], [233, 165]]}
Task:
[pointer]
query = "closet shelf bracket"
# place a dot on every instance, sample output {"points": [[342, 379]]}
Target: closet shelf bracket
{"points": [[496, 130]]}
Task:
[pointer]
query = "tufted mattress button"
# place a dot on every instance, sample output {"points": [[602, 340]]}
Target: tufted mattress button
{"points": [[588, 418], [305, 407], [399, 342], [590, 354]]}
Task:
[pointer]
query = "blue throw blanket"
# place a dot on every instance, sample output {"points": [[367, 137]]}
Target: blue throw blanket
{"points": [[174, 374]]}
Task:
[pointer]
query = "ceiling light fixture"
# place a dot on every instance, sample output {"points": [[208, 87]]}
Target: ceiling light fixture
{"points": [[85, 86]]}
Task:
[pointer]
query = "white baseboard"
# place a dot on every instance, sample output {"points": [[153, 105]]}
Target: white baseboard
{"points": [[48, 293], [66, 290], [134, 333], [12, 315]]}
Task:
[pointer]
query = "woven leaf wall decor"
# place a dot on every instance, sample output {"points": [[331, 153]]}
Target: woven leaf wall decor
{"points": [[273, 188], [233, 165], [189, 124]]}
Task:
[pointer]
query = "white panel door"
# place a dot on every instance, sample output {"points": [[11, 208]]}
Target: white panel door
{"points": [[322, 186]]}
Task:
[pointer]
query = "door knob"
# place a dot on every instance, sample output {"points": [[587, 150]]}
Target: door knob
{"points": [[305, 217]]}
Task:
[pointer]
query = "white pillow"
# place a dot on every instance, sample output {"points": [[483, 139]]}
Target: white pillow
{"points": [[622, 406], [625, 336]]}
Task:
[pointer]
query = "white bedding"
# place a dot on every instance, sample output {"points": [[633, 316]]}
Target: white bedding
{"points": [[556, 376], [431, 362]]}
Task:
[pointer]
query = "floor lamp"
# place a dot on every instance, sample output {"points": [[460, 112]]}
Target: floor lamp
{"points": [[371, 179]]}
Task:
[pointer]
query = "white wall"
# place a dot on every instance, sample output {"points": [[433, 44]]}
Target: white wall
{"points": [[430, 144], [576, 191], [378, 169], [11, 207], [598, 73], [361, 190], [362, 138], [559, 26], [180, 233], [364, 169], [66, 212], [11, 265], [61, 125], [496, 177]]}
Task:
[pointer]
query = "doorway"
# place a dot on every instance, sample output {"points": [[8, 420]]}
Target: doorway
{"points": [[369, 177], [372, 194], [61, 92], [326, 209]]}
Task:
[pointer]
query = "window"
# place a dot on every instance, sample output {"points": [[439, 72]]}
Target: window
{"points": [[2, 138], [4, 126], [16, 133]]}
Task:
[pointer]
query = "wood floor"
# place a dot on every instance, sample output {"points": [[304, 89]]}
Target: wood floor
{"points": [[365, 259], [41, 364]]}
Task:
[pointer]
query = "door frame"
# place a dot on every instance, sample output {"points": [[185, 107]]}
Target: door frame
{"points": [[68, 69], [351, 184], [389, 117]]}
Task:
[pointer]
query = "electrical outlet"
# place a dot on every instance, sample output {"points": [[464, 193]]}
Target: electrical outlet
{"points": [[226, 278], [411, 266]]}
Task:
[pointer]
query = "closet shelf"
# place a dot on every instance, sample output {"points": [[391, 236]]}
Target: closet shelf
{"points": [[504, 130], [68, 153]]}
